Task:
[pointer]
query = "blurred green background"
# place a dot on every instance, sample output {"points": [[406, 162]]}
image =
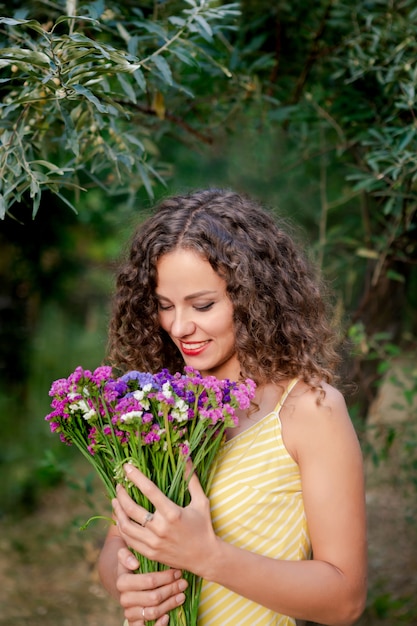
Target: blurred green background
{"points": [[309, 107]]}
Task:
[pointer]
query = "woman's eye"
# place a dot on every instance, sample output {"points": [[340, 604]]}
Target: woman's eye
{"points": [[204, 307], [164, 307]]}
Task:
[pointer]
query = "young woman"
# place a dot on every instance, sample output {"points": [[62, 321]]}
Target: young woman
{"points": [[214, 282]]}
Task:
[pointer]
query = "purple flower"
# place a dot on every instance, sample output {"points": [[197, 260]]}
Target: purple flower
{"points": [[59, 388], [78, 374], [142, 380], [113, 390], [154, 421], [101, 374], [151, 437], [151, 420], [185, 448], [119, 386]]}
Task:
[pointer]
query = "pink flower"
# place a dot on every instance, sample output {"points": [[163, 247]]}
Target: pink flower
{"points": [[59, 388], [101, 374]]}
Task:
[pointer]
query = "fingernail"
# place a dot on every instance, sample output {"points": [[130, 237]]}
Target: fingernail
{"points": [[180, 598], [177, 574], [128, 468], [132, 562], [165, 619], [182, 585], [118, 487]]}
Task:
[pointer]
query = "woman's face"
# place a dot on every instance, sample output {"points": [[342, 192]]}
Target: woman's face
{"points": [[196, 312]]}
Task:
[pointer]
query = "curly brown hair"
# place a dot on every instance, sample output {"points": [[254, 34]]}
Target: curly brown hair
{"points": [[281, 325]]}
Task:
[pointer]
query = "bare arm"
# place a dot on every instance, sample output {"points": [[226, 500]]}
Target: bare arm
{"points": [[331, 588]]}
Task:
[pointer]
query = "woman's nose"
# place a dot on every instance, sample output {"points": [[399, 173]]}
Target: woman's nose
{"points": [[182, 325]]}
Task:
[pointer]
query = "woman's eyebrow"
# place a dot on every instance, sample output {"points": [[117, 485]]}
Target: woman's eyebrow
{"points": [[191, 296]]}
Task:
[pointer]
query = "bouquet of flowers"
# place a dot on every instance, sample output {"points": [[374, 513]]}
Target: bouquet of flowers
{"points": [[156, 422]]}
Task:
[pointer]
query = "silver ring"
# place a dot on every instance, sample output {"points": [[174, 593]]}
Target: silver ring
{"points": [[148, 518]]}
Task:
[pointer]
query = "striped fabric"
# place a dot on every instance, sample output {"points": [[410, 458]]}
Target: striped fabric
{"points": [[256, 504]]}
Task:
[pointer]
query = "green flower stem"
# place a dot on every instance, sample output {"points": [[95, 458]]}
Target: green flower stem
{"points": [[168, 437]]}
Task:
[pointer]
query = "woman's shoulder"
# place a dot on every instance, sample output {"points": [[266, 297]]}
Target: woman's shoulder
{"points": [[320, 398], [314, 416]]}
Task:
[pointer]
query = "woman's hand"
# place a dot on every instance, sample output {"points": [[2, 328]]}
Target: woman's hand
{"points": [[146, 597], [181, 538]]}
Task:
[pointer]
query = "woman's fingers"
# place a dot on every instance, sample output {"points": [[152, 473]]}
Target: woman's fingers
{"points": [[147, 597], [129, 516], [148, 488], [172, 534], [168, 581], [162, 504], [149, 613], [194, 485], [127, 559]]}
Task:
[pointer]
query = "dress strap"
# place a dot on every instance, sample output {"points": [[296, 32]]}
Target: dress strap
{"points": [[285, 395]]}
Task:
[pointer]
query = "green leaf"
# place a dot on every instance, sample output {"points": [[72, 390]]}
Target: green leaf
{"points": [[70, 18], [205, 29], [65, 201], [392, 275], [33, 24], [16, 56], [135, 141], [184, 56], [72, 139], [140, 79], [81, 90], [50, 166], [406, 139], [2, 207], [127, 88], [145, 179], [163, 68], [366, 253], [177, 21]]}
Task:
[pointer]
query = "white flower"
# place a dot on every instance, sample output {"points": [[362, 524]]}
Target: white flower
{"points": [[166, 390], [180, 411], [81, 405], [130, 416], [90, 414], [140, 396]]}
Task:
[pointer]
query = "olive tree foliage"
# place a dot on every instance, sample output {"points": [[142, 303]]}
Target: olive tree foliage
{"points": [[345, 80], [89, 89], [345, 90], [341, 84], [373, 113]]}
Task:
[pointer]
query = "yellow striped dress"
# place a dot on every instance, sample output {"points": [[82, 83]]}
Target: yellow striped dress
{"points": [[256, 504]]}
